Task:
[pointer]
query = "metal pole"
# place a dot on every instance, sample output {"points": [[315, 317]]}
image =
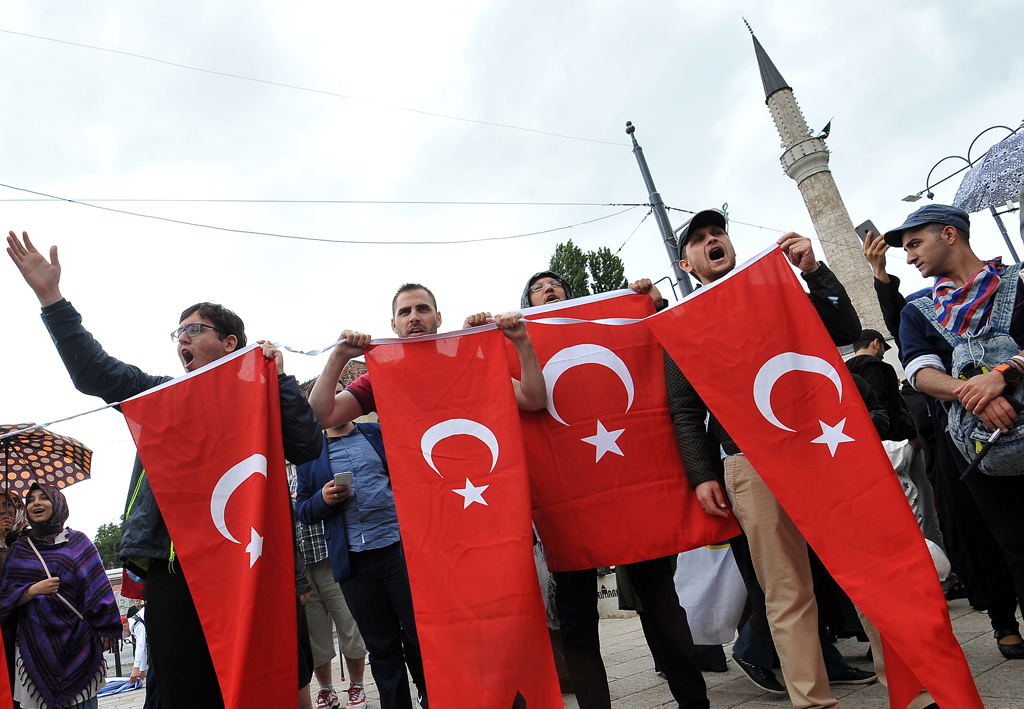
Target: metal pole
{"points": [[1006, 237], [660, 215]]}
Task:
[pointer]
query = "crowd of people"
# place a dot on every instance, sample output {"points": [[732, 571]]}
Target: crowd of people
{"points": [[951, 423]]}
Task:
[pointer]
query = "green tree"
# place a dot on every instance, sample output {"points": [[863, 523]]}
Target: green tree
{"points": [[606, 270], [108, 543], [570, 263]]}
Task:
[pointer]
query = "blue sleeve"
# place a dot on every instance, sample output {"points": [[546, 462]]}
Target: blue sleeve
{"points": [[309, 503], [918, 338]]}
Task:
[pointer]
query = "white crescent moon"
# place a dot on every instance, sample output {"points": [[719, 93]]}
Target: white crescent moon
{"points": [[227, 485], [588, 353], [457, 427], [781, 364]]}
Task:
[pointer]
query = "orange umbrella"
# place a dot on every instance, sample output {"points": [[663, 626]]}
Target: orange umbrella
{"points": [[41, 455]]}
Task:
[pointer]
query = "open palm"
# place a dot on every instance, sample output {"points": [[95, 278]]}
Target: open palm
{"points": [[42, 276]]}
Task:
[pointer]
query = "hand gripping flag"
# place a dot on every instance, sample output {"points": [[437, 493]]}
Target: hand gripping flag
{"points": [[211, 446], [455, 454], [769, 372], [606, 481]]}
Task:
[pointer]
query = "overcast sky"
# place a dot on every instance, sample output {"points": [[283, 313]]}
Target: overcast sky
{"points": [[905, 84]]}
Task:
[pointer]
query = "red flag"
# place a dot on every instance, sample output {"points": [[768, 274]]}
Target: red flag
{"points": [[606, 481], [211, 446], [455, 454], [6, 698], [779, 386]]}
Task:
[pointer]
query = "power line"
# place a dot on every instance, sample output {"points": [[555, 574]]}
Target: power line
{"points": [[331, 201], [313, 238], [649, 211], [307, 89]]}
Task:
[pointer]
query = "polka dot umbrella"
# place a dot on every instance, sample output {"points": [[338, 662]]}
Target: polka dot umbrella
{"points": [[40, 455]]}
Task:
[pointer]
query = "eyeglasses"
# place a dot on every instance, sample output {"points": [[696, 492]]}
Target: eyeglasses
{"points": [[539, 286], [193, 330]]}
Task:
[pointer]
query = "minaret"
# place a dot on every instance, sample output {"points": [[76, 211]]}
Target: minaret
{"points": [[806, 160]]}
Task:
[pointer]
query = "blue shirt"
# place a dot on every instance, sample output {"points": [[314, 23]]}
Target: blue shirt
{"points": [[370, 518]]}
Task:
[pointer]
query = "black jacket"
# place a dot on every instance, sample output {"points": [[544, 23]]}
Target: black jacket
{"points": [[688, 410], [886, 384], [96, 373]]}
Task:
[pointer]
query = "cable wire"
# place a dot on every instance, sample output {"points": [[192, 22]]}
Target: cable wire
{"points": [[649, 211], [333, 201], [319, 239], [315, 91]]}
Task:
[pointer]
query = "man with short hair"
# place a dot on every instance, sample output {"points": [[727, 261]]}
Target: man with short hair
{"points": [[206, 332], [962, 343], [869, 364], [377, 588], [777, 548]]}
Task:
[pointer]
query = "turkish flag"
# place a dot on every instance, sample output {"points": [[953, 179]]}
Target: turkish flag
{"points": [[606, 480], [211, 446], [455, 454], [6, 698], [778, 385]]}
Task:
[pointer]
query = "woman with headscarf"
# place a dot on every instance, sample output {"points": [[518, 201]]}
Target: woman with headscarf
{"points": [[67, 616]]}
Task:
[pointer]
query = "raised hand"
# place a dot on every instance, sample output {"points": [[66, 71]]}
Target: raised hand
{"points": [[874, 251], [42, 276], [799, 251]]}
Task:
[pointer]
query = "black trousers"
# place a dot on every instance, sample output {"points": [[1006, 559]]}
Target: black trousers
{"points": [[576, 602], [980, 506], [177, 646]]}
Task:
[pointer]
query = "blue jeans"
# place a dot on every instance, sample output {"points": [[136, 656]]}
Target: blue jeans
{"points": [[758, 649], [380, 599]]}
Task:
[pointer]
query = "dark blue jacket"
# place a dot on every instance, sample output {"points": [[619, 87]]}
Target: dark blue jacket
{"points": [[310, 505]]}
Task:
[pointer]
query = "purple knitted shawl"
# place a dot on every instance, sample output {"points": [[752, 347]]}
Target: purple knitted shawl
{"points": [[61, 652]]}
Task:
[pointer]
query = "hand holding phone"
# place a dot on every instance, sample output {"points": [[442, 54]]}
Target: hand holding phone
{"points": [[863, 229], [343, 479]]}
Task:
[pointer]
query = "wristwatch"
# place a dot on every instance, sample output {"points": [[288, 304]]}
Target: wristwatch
{"points": [[1011, 375]]}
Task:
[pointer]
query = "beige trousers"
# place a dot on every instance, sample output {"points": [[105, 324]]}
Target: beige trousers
{"points": [[921, 700], [779, 553]]}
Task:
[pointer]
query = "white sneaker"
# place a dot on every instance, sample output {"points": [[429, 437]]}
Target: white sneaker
{"points": [[327, 699], [356, 698]]}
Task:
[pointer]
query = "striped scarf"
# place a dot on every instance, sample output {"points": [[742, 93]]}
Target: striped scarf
{"points": [[967, 310]]}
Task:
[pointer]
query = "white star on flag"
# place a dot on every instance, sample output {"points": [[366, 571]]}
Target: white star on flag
{"points": [[604, 441], [472, 494], [255, 548], [832, 436]]}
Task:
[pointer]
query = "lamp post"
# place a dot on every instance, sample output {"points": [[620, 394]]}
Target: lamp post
{"points": [[996, 214], [660, 216]]}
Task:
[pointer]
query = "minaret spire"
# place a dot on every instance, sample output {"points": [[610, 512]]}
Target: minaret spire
{"points": [[771, 77], [805, 159]]}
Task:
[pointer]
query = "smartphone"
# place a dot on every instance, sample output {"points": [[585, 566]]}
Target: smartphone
{"points": [[343, 479], [863, 229]]}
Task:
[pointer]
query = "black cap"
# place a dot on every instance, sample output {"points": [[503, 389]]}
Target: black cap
{"points": [[867, 336], [701, 219], [931, 214]]}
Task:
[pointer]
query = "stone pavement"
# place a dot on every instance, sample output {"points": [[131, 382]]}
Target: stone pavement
{"points": [[634, 685]]}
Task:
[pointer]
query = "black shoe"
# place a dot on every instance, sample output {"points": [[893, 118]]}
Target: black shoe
{"points": [[765, 679], [854, 676], [1010, 652]]}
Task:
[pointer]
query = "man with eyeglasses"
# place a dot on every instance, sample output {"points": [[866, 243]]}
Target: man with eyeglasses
{"points": [[377, 589], [206, 332]]}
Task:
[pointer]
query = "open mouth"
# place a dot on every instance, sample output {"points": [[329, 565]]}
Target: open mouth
{"points": [[552, 298], [716, 253], [187, 357]]}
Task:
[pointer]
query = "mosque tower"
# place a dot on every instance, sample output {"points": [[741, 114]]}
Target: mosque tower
{"points": [[806, 160]]}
